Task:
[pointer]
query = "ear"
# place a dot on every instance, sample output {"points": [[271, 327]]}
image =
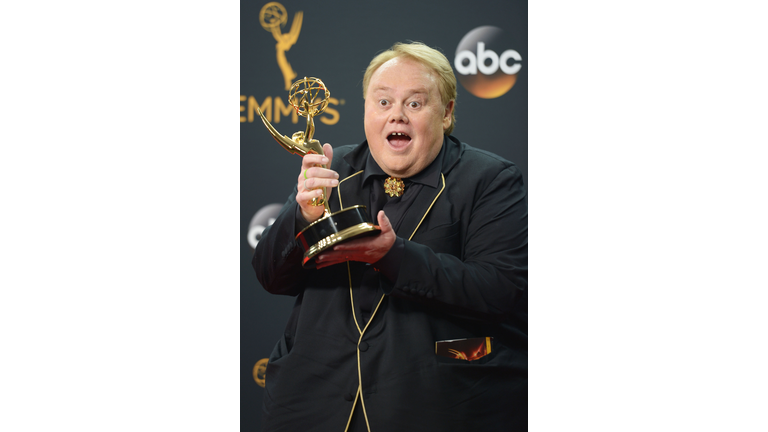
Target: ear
{"points": [[447, 115]]}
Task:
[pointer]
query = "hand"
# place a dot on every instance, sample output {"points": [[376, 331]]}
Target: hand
{"points": [[317, 178], [366, 249]]}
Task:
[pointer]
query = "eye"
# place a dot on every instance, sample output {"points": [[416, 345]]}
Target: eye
{"points": [[383, 102], [414, 104]]}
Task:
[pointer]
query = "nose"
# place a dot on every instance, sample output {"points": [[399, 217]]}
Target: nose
{"points": [[397, 115]]}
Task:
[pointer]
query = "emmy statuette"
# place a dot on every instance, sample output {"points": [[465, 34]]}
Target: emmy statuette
{"points": [[309, 97]]}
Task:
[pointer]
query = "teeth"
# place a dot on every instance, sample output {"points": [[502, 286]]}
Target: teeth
{"points": [[399, 134]]}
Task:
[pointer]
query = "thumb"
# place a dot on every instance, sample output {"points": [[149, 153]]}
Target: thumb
{"points": [[328, 150], [384, 222]]}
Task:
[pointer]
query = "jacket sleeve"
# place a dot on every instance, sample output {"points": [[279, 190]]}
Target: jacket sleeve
{"points": [[277, 258], [492, 269]]}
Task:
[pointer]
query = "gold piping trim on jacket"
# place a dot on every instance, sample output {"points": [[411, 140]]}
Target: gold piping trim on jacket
{"points": [[338, 188], [381, 300], [354, 404], [360, 339], [430, 207]]}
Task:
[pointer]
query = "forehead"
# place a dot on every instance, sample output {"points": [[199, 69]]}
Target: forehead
{"points": [[403, 73]]}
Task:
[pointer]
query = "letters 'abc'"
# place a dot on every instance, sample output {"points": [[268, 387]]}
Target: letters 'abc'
{"points": [[485, 62], [473, 63]]}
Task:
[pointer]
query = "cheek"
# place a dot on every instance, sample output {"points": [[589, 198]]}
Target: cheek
{"points": [[367, 122], [372, 132], [371, 120]]}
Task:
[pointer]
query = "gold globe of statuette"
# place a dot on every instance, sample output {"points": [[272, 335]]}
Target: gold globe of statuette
{"points": [[272, 15], [309, 96]]}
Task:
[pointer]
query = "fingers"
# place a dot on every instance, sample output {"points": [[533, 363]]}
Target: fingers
{"points": [[366, 249], [306, 195], [314, 179], [313, 173], [332, 258], [312, 159]]}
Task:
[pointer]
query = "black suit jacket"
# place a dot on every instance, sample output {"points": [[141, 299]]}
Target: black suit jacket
{"points": [[463, 274]]}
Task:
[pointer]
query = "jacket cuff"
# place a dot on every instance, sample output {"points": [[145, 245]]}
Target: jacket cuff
{"points": [[301, 223]]}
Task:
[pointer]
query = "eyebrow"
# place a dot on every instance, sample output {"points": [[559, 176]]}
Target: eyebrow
{"points": [[421, 90]]}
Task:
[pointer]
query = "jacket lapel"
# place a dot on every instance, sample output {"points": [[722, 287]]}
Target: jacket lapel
{"points": [[350, 191], [350, 188], [418, 210]]}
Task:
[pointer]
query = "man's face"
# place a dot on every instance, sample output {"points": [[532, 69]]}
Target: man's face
{"points": [[404, 117]]}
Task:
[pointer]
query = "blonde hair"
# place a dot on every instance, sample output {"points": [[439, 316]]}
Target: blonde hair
{"points": [[429, 57]]}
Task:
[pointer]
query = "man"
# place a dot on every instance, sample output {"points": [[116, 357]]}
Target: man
{"points": [[371, 344]]}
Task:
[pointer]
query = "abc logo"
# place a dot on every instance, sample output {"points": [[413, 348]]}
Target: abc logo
{"points": [[486, 65], [260, 221]]}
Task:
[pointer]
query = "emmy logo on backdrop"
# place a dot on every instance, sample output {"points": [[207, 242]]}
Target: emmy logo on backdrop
{"points": [[260, 372], [309, 97], [272, 17]]}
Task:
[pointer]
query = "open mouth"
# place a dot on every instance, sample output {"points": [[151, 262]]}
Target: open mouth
{"points": [[398, 139]]}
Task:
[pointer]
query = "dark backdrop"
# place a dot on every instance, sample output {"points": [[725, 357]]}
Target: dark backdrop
{"points": [[335, 43]]}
